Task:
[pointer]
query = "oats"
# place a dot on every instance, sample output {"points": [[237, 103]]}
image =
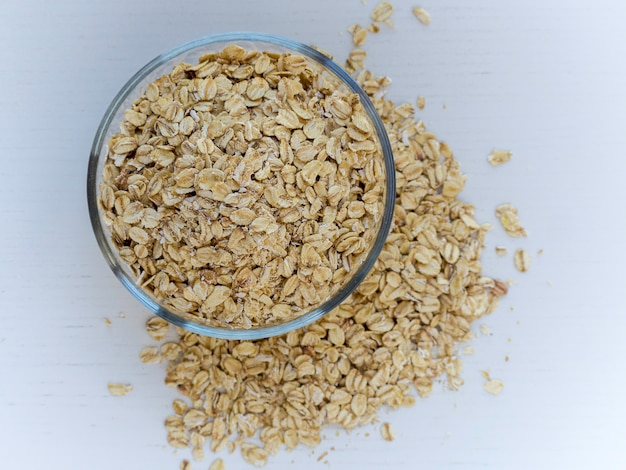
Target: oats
{"points": [[510, 221], [522, 260], [254, 455], [150, 355], [468, 350], [421, 102], [119, 390], [493, 386], [484, 329], [185, 465], [422, 15], [198, 454], [107, 322], [171, 351], [382, 12], [157, 328], [223, 167], [387, 432], [500, 288], [218, 464], [498, 157], [359, 34], [501, 251], [391, 338], [373, 28], [359, 404]]}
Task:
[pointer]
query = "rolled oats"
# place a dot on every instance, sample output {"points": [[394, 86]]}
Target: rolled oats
{"points": [[150, 355], [422, 15], [359, 34], [393, 336], [157, 328], [243, 190], [521, 259], [382, 13], [387, 432], [507, 214], [119, 390], [498, 157], [500, 288], [218, 464], [493, 386], [501, 251]]}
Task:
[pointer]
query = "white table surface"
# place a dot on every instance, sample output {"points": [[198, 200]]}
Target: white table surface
{"points": [[544, 78]]}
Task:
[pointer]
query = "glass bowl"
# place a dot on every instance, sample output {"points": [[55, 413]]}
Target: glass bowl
{"points": [[190, 53]]}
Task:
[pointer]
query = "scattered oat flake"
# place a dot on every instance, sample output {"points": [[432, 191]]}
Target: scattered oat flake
{"points": [[493, 386], [107, 322], [374, 28], [485, 374], [507, 214], [468, 350], [499, 288], [540, 252], [122, 315], [322, 456], [150, 355], [382, 12], [498, 157], [185, 465], [506, 358], [484, 329], [387, 432], [157, 328], [501, 251], [218, 464], [421, 102], [119, 390], [521, 260], [422, 15], [198, 454], [359, 34]]}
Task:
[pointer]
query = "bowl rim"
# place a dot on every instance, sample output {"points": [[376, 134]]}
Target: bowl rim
{"points": [[101, 233]]}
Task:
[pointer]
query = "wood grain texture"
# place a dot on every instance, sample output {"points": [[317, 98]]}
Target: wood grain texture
{"points": [[544, 79]]}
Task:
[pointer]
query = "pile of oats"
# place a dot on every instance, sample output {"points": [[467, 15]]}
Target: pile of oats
{"points": [[395, 335], [244, 190]]}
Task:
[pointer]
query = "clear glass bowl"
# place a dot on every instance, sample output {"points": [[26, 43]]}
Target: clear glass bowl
{"points": [[190, 53]]}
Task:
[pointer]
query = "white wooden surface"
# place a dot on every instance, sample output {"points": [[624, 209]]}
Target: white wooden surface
{"points": [[544, 78]]}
